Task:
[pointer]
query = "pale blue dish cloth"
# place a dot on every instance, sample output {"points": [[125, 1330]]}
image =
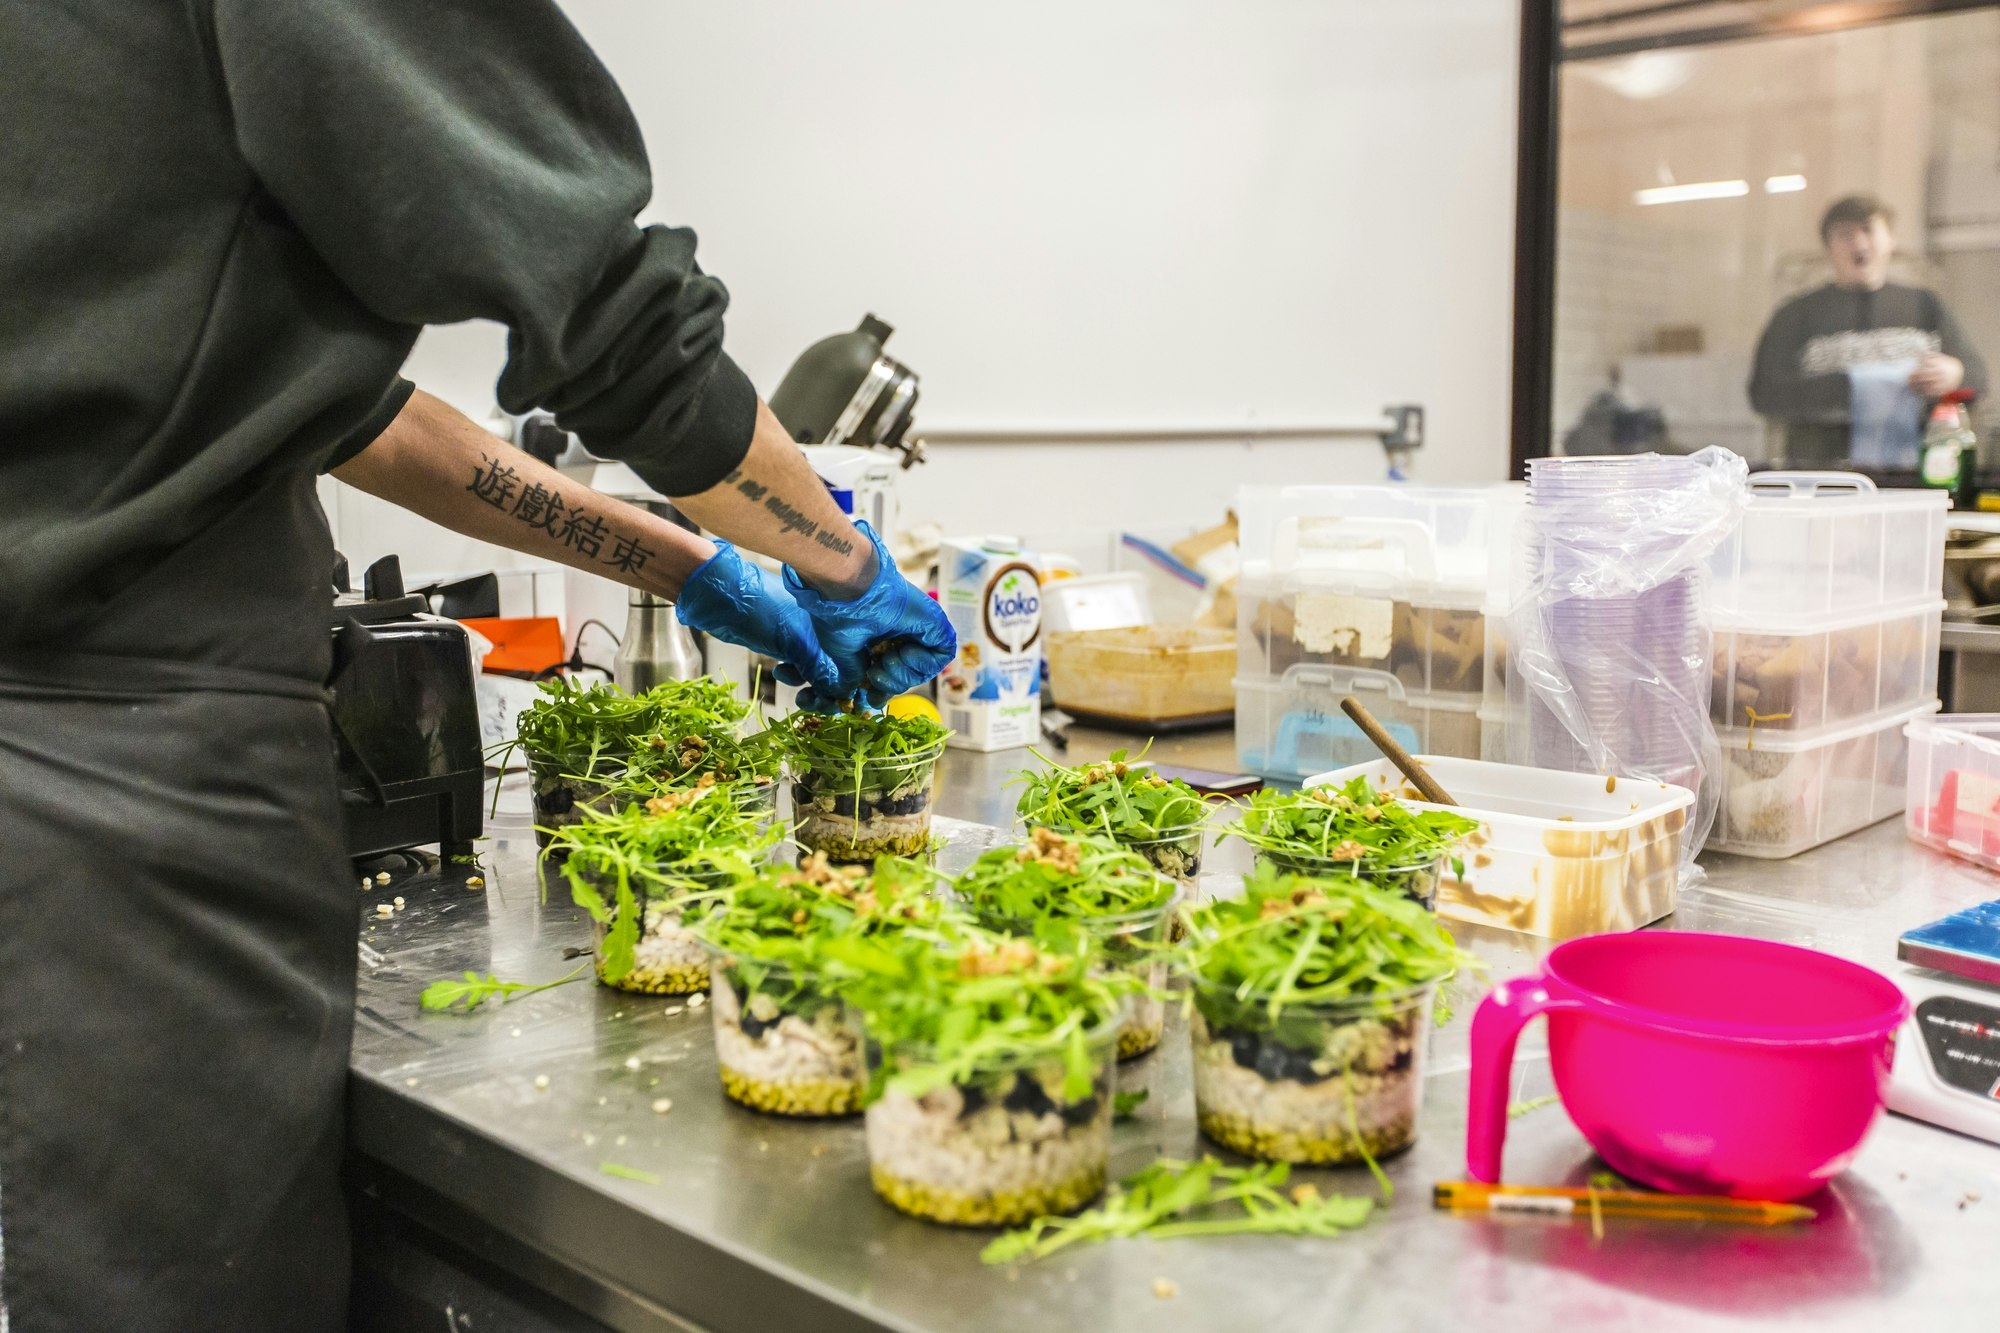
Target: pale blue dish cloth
{"points": [[1885, 415]]}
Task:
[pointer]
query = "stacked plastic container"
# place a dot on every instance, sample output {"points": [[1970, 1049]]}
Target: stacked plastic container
{"points": [[1615, 603], [1954, 788], [1827, 607], [1375, 591]]}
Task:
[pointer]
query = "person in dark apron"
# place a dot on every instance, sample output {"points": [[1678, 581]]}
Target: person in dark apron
{"points": [[222, 224]]}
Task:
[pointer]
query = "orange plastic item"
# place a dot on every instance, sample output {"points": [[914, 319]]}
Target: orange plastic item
{"points": [[521, 643]]}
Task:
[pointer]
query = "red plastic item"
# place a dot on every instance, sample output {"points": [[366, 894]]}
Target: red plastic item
{"points": [[1701, 1064], [521, 643]]}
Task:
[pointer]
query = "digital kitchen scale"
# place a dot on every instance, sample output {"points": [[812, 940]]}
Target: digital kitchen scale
{"points": [[1947, 1068]]}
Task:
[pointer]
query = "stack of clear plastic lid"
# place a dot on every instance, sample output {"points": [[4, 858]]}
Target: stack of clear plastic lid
{"points": [[1609, 676], [1827, 610], [1371, 588]]}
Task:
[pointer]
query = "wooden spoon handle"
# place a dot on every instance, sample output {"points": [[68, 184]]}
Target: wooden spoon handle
{"points": [[1418, 775]]}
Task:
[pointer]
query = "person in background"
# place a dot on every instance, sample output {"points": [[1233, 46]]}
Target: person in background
{"points": [[223, 224], [1823, 353]]}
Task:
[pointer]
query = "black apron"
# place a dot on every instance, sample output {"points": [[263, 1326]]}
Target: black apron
{"points": [[177, 966]]}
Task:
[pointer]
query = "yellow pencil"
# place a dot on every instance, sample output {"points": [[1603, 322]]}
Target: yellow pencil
{"points": [[1470, 1196]]}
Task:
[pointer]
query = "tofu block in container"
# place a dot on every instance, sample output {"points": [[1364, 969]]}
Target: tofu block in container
{"points": [[1556, 855], [1292, 726], [1954, 785], [1144, 674], [1786, 792]]}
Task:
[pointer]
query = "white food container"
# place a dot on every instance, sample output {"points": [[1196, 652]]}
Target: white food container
{"points": [[1556, 854], [1785, 792], [1954, 785]]}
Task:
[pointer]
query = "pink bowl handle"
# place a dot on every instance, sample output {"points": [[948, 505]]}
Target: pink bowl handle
{"points": [[1496, 1026]]}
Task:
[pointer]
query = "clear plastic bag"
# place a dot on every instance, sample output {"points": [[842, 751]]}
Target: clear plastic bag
{"points": [[1607, 621]]}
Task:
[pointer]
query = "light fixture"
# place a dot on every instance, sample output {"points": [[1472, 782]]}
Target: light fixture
{"points": [[1681, 194], [1784, 184]]}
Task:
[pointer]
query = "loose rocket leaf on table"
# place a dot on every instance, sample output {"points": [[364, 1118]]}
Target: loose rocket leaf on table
{"points": [[474, 990]]}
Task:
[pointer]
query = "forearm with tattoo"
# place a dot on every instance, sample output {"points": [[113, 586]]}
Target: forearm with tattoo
{"points": [[790, 519], [434, 461], [774, 503]]}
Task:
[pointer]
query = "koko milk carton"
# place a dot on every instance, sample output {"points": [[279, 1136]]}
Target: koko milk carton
{"points": [[991, 694]]}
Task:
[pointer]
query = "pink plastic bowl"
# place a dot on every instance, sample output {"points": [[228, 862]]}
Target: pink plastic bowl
{"points": [[1704, 1064]]}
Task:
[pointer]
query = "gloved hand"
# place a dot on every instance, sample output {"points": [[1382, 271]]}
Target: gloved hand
{"points": [[890, 639], [740, 603]]}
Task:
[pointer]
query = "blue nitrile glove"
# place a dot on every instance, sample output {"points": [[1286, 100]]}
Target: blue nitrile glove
{"points": [[740, 603], [889, 640]]}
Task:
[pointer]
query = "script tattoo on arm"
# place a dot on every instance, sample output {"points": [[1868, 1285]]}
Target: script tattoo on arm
{"points": [[789, 517]]}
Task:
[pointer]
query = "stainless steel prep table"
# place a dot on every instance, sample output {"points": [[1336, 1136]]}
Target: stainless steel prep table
{"points": [[483, 1197]]}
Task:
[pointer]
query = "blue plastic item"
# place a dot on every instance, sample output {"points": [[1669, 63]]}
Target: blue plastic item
{"points": [[1309, 741]]}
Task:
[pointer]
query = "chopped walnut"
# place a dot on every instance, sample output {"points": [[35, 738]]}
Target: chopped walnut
{"points": [[1008, 956], [1052, 849], [668, 802]]}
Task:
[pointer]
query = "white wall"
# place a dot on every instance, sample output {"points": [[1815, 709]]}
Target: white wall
{"points": [[1158, 212]]}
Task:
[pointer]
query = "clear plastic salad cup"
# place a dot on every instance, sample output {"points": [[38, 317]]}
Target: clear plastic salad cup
{"points": [[1133, 942], [784, 1043], [999, 1147], [667, 958], [563, 797], [1174, 852], [852, 813], [1417, 879], [1326, 1082]]}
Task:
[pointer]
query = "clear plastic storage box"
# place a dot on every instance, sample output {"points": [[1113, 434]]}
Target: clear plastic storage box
{"points": [[1785, 792], [1827, 544], [1556, 854], [1954, 786], [1373, 578], [1292, 727], [1381, 585], [1785, 676]]}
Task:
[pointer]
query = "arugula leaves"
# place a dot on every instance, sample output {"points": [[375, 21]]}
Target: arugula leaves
{"points": [[476, 990], [1320, 826], [1120, 797], [1291, 942], [688, 847], [698, 731], [1204, 1198], [1077, 877], [860, 751], [578, 728], [966, 1002]]}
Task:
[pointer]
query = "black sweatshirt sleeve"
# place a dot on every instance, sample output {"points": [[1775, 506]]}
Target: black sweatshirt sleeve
{"points": [[461, 159], [1953, 342], [378, 421], [1778, 389]]}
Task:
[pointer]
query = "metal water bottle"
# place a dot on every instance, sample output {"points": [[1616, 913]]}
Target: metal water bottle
{"points": [[656, 648]]}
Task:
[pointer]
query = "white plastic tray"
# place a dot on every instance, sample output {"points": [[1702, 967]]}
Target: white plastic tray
{"points": [[1556, 854]]}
